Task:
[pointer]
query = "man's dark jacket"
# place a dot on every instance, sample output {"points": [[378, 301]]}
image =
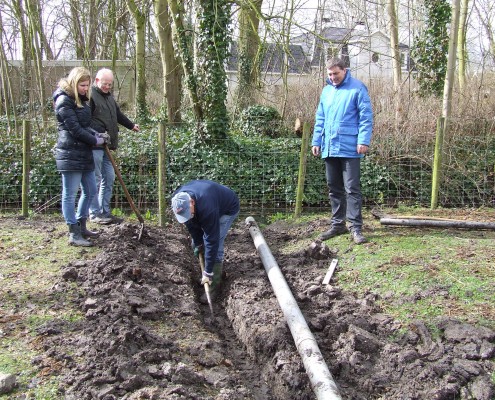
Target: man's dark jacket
{"points": [[106, 115], [212, 201]]}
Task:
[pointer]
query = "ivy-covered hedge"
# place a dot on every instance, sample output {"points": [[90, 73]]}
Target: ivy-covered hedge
{"points": [[264, 171]]}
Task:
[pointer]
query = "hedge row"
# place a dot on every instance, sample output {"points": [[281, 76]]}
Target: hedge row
{"points": [[262, 170]]}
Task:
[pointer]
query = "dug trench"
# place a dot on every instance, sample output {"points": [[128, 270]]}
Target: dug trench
{"points": [[145, 335]]}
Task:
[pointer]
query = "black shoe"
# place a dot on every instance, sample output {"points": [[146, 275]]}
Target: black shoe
{"points": [[358, 237], [335, 230], [98, 219]]}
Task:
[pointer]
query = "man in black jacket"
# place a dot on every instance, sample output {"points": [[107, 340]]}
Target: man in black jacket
{"points": [[207, 209], [105, 117]]}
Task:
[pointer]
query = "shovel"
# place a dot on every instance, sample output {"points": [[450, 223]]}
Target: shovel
{"points": [[127, 195], [206, 285]]}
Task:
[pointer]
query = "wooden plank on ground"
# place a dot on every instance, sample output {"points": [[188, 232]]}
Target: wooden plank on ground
{"points": [[331, 270]]}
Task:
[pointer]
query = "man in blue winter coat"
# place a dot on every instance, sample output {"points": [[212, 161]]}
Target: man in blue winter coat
{"points": [[342, 135], [207, 209]]}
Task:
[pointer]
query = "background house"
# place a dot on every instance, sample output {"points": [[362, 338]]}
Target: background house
{"points": [[271, 70], [366, 53]]}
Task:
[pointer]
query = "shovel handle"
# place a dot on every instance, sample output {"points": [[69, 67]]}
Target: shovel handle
{"points": [[206, 285], [119, 177]]}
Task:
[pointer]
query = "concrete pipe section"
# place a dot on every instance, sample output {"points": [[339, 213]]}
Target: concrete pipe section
{"points": [[319, 375]]}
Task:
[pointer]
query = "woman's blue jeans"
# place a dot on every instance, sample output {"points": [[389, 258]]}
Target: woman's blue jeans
{"points": [[71, 181], [225, 223]]}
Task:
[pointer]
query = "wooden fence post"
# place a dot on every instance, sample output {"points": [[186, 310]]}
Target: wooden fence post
{"points": [[437, 162], [302, 170], [162, 174], [26, 165]]}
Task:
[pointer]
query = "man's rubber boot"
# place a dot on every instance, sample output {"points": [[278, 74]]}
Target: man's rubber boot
{"points": [[85, 232], [215, 285], [75, 237], [216, 282]]}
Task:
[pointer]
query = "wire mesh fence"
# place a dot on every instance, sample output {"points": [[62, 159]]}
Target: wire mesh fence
{"points": [[264, 171]]}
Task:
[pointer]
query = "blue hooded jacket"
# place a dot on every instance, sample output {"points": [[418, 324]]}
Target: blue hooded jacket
{"points": [[344, 119]]}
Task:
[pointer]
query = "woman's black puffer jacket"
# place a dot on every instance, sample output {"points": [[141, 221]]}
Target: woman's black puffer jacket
{"points": [[75, 138]]}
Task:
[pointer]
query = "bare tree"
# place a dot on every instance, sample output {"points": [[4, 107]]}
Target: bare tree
{"points": [[170, 65], [34, 29], [6, 85], [249, 55], [19, 12], [182, 39], [140, 12], [461, 44], [485, 12], [394, 44], [77, 29]]}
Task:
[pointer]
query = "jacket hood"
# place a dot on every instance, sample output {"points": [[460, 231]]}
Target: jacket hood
{"points": [[65, 89]]}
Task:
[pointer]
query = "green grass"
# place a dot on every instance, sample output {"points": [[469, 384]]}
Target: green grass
{"points": [[419, 273], [31, 255]]}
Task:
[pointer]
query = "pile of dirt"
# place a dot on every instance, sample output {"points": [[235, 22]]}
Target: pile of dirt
{"points": [[144, 334]]}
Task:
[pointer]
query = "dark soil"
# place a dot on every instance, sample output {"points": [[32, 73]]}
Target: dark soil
{"points": [[146, 336]]}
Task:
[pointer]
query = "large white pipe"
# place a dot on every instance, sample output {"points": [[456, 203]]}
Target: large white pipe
{"points": [[320, 377]]}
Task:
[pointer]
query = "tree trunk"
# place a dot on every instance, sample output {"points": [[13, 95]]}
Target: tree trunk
{"points": [[461, 49], [170, 65], [26, 81], [109, 38], [184, 49], [6, 93], [33, 17], [212, 47], [394, 44], [286, 46], [93, 23], [77, 30], [449, 78], [248, 53], [140, 25], [447, 102], [45, 45]]}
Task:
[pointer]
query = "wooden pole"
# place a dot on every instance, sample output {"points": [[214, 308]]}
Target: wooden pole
{"points": [[437, 162], [26, 165], [162, 174], [302, 170], [419, 222]]}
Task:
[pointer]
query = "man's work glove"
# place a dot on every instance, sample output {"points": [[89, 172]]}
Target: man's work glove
{"points": [[100, 141], [207, 278], [105, 136], [197, 250]]}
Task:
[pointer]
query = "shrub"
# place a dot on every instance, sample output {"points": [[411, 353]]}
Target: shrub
{"points": [[259, 121]]}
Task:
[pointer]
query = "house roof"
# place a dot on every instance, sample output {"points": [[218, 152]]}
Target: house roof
{"points": [[330, 33], [274, 58]]}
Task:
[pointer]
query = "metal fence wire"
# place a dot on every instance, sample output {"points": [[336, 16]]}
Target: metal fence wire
{"points": [[264, 171]]}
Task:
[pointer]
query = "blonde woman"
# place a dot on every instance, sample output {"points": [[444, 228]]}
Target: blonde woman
{"points": [[73, 153]]}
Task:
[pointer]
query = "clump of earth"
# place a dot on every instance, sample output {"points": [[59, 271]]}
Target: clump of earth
{"points": [[145, 335]]}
